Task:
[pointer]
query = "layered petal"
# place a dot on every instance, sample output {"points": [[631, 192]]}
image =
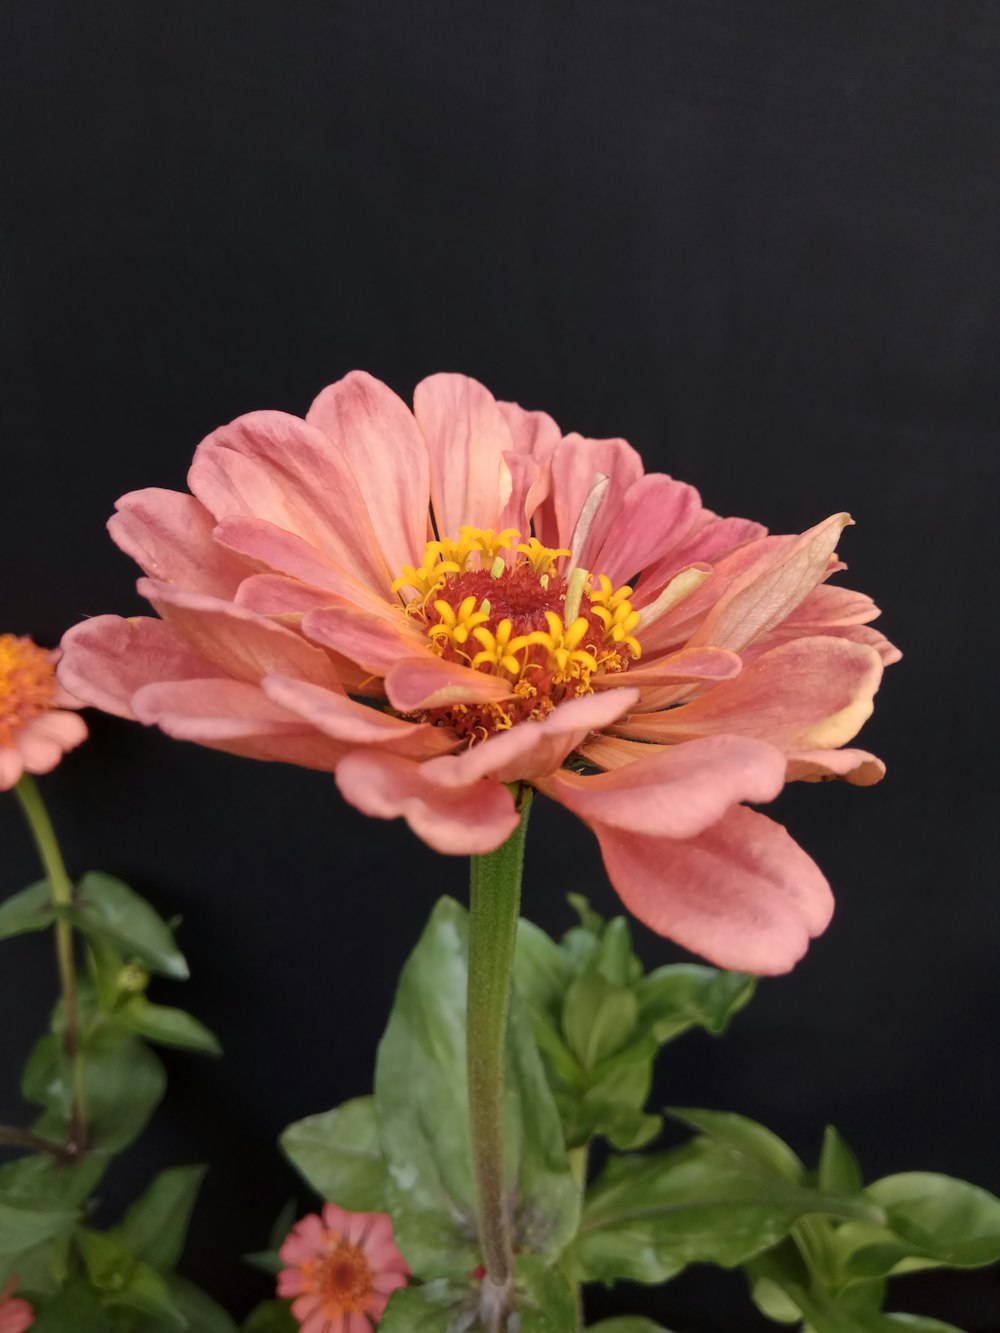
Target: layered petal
{"points": [[656, 515], [464, 821], [169, 536], [354, 724], [415, 684], [375, 432], [467, 438], [376, 644], [742, 894]]}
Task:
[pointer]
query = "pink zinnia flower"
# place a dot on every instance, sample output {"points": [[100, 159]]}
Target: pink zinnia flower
{"points": [[15, 1315], [35, 732], [439, 603], [341, 1269]]}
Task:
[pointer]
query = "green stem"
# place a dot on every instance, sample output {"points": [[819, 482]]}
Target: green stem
{"points": [[12, 1137], [62, 898], [578, 1163], [495, 893]]}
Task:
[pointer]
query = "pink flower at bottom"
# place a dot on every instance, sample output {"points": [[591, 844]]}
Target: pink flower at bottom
{"points": [[35, 732], [341, 1269], [15, 1315]]}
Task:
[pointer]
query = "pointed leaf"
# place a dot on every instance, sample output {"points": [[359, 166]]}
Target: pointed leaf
{"points": [[422, 1105], [203, 1315], [744, 1137], [105, 906], [338, 1154], [943, 1218], [165, 1026], [22, 1228], [156, 1225], [31, 909], [838, 1167], [684, 995], [76, 1309], [598, 1018]]}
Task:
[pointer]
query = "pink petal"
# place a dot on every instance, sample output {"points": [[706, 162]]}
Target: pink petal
{"points": [[772, 589], [415, 684], [276, 595], [353, 723], [529, 484], [337, 1219], [830, 604], [657, 513], [713, 538], [470, 821], [857, 767], [467, 437], [742, 894], [678, 792], [67, 729], [710, 665], [237, 717], [290, 1280], [374, 643], [609, 752], [274, 466], [533, 433], [319, 1323], [531, 749], [39, 752], [576, 463], [11, 767], [105, 660], [239, 642], [376, 433], [808, 694], [356, 1323], [169, 535]]}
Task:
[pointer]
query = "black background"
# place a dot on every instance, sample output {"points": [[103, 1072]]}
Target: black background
{"points": [[760, 240]]}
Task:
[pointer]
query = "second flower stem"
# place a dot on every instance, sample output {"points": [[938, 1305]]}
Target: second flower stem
{"points": [[62, 898], [495, 895]]}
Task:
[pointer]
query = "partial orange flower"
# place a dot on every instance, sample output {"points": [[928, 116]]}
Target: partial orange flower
{"points": [[15, 1315], [35, 729], [442, 604], [340, 1270]]}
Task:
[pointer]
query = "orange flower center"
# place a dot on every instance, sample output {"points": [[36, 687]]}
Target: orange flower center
{"points": [[27, 684], [498, 604], [341, 1277]]}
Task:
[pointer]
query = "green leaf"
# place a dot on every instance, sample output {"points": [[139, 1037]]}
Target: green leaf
{"points": [[165, 1026], [104, 906], [123, 1081], [629, 1323], [125, 1281], [22, 1228], [744, 1137], [155, 1227], [42, 1182], [647, 1217], [838, 1167], [598, 1018], [31, 909], [271, 1317], [338, 1154], [76, 1309], [615, 959], [421, 1100], [942, 1218], [591, 921], [543, 1298], [435, 1307], [685, 995], [203, 1315], [541, 972]]}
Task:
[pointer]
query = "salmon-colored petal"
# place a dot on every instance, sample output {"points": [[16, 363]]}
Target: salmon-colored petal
{"points": [[467, 438], [762, 597], [239, 642], [39, 752], [355, 724], [866, 634], [808, 694], [237, 717], [468, 821], [105, 660], [576, 464], [678, 792], [830, 604], [291, 1280], [529, 485], [277, 467], [373, 642], [279, 596], [532, 749], [425, 681], [376, 433], [857, 767], [169, 535], [609, 752], [656, 514], [709, 665], [11, 767], [742, 894], [712, 539]]}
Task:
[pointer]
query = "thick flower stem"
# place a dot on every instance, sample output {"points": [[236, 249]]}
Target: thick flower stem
{"points": [[62, 898], [495, 893]]}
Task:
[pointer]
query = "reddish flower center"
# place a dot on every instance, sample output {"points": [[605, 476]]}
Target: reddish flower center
{"points": [[341, 1276], [27, 684], [503, 607]]}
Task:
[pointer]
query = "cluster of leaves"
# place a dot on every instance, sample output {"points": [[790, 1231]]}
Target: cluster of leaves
{"points": [[120, 1280], [586, 1024]]}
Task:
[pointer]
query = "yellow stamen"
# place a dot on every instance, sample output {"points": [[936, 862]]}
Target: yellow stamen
{"points": [[455, 626], [541, 558]]}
